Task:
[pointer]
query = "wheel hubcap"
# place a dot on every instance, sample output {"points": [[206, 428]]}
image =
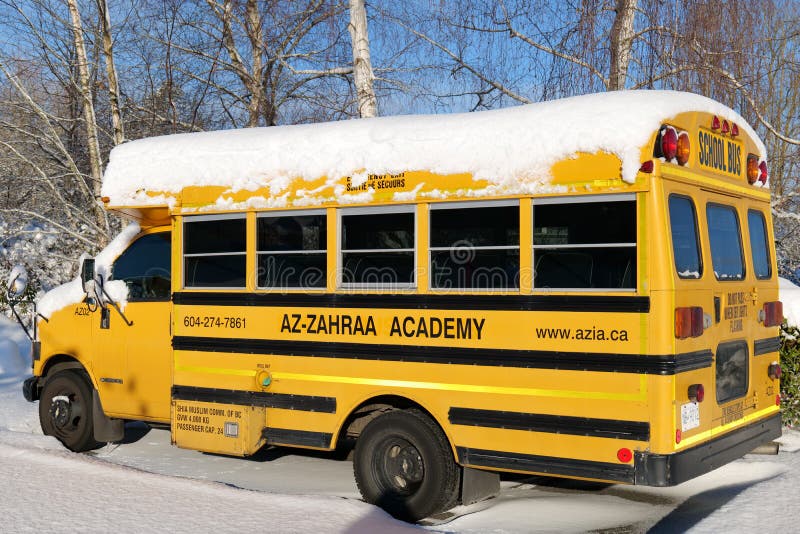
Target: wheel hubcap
{"points": [[403, 466], [61, 411]]}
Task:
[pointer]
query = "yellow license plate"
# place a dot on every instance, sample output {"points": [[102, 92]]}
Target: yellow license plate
{"points": [[719, 154]]}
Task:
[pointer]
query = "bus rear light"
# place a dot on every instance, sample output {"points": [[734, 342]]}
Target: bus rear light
{"points": [[684, 148], [752, 169], [678, 436], [774, 371], [624, 455], [762, 172], [697, 393], [688, 322], [669, 143], [647, 167], [734, 130], [726, 128], [778, 399], [715, 123], [773, 313]]}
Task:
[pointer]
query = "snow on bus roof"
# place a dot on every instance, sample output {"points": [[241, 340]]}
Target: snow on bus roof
{"points": [[506, 147]]}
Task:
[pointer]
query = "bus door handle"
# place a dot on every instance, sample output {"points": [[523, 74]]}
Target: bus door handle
{"points": [[717, 309]]}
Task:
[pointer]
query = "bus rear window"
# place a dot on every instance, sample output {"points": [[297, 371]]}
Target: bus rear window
{"points": [[758, 244], [588, 244], [685, 245], [726, 244], [731, 371]]}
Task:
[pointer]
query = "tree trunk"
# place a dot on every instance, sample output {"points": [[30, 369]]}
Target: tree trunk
{"points": [[255, 34], [89, 117], [362, 65], [621, 43], [113, 84]]}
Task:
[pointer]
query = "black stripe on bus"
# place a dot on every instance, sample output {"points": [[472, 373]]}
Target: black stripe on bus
{"points": [[766, 346], [550, 465], [261, 399], [562, 303], [555, 424], [536, 359], [296, 438]]}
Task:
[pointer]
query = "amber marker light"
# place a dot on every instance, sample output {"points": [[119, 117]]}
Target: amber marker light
{"points": [[684, 149], [753, 171]]}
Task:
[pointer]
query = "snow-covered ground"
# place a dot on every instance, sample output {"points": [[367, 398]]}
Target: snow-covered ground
{"points": [[147, 485]]}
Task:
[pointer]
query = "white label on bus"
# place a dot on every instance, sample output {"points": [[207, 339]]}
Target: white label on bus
{"points": [[690, 416]]}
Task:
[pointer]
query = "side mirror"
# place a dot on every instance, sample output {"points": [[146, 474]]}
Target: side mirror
{"points": [[87, 275], [17, 282]]}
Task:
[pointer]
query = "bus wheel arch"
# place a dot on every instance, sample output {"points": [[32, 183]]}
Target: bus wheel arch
{"points": [[370, 408]]}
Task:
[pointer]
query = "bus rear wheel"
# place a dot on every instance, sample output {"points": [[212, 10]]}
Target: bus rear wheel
{"points": [[403, 463], [65, 411]]}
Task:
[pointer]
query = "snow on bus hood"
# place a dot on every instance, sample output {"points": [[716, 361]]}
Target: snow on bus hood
{"points": [[506, 147], [72, 292]]}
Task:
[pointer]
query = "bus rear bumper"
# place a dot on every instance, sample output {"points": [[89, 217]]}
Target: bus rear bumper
{"points": [[672, 469]]}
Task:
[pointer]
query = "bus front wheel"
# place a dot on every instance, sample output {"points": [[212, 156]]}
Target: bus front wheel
{"points": [[65, 411], [403, 463]]}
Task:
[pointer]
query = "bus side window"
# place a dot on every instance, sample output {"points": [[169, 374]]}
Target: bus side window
{"points": [[587, 244], [758, 244], [474, 247], [378, 247], [292, 250], [214, 251], [726, 244], [145, 268], [685, 242]]}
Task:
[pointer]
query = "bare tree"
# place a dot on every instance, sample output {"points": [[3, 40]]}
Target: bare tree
{"points": [[362, 64], [111, 72], [621, 42]]}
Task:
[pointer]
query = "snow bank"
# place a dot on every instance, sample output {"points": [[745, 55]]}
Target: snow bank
{"points": [[506, 147], [72, 292], [790, 296], [15, 364]]}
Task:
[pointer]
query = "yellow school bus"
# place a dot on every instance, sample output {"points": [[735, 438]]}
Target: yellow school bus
{"points": [[601, 304]]}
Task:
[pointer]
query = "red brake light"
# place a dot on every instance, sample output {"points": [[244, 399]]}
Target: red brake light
{"points": [[683, 149], [647, 166], [688, 322], [715, 123], [624, 455], [773, 313], [697, 393], [774, 371], [678, 436], [778, 400], [763, 175], [669, 143], [734, 130]]}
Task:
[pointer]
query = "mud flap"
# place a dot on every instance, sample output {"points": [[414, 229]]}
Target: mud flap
{"points": [[105, 429], [477, 485]]}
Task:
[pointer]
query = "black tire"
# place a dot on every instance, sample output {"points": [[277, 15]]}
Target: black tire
{"points": [[403, 463], [65, 410]]}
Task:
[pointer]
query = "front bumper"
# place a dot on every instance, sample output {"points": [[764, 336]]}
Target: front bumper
{"points": [[672, 469], [31, 389]]}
